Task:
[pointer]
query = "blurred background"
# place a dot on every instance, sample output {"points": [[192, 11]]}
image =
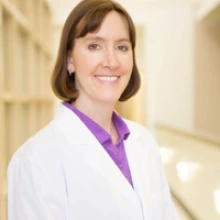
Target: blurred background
{"points": [[178, 54]]}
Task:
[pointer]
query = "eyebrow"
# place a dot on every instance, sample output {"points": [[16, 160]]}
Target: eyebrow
{"points": [[123, 39]]}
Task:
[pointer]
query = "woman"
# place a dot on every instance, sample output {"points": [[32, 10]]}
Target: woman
{"points": [[89, 163]]}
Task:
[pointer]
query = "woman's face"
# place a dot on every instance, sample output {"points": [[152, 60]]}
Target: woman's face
{"points": [[103, 61]]}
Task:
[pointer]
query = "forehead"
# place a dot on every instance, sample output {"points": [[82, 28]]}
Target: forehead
{"points": [[114, 25], [116, 19], [93, 22]]}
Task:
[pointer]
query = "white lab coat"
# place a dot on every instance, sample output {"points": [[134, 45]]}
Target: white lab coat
{"points": [[63, 173]]}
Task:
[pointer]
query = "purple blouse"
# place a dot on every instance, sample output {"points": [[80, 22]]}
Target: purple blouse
{"points": [[117, 151]]}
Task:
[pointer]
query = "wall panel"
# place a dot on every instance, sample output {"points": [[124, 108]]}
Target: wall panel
{"points": [[25, 67]]}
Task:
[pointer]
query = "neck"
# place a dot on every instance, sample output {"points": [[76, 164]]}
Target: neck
{"points": [[98, 112]]}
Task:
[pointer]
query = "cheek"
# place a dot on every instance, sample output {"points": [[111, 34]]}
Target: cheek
{"points": [[81, 65], [128, 65], [86, 64]]}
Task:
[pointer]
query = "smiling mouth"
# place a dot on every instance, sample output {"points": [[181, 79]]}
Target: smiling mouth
{"points": [[108, 78]]}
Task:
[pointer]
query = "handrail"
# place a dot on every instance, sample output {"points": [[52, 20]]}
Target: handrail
{"points": [[209, 139], [185, 209]]}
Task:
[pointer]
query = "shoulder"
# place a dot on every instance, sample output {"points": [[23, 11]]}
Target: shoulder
{"points": [[38, 148], [135, 126], [38, 164], [139, 130], [142, 136]]}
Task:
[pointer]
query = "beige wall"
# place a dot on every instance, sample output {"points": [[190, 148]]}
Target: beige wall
{"points": [[170, 65], [207, 79]]}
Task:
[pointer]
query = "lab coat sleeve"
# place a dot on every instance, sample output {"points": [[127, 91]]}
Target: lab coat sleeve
{"points": [[32, 193]]}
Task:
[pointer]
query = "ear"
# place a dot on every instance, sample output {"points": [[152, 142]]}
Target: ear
{"points": [[70, 65]]}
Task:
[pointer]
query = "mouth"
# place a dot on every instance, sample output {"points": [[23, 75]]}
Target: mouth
{"points": [[108, 78]]}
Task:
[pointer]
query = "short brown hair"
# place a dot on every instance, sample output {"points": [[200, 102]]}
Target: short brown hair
{"points": [[85, 18]]}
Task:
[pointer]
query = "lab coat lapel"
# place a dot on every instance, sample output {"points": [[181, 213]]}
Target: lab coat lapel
{"points": [[87, 146], [140, 172]]}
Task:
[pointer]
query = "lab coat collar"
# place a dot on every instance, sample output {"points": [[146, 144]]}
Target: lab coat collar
{"points": [[87, 146]]}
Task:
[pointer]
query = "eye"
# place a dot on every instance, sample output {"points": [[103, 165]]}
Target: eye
{"points": [[122, 48], [94, 47]]}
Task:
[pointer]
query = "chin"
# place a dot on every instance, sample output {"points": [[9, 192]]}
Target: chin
{"points": [[108, 97], [110, 100]]}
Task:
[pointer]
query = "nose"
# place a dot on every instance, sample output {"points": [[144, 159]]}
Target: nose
{"points": [[110, 59]]}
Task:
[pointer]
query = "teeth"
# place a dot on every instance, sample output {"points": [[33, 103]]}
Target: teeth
{"points": [[107, 78]]}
